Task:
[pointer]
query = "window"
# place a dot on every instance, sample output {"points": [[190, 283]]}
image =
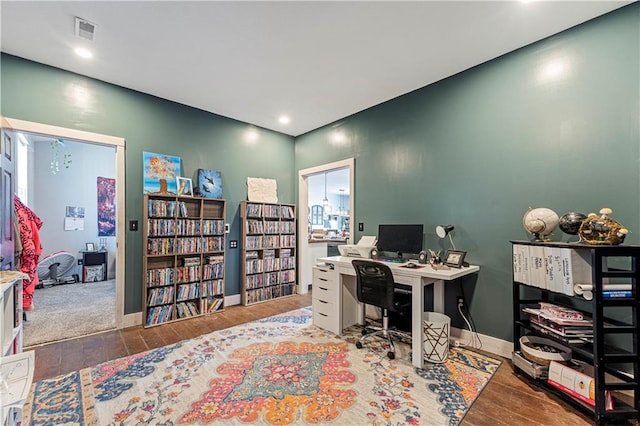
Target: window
{"points": [[316, 215], [22, 164]]}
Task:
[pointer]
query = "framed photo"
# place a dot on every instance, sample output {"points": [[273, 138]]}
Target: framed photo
{"points": [[90, 247], [209, 183], [185, 187], [454, 258]]}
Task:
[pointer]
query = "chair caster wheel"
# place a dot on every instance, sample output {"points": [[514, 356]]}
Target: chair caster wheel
{"points": [[391, 355], [364, 332], [359, 345]]}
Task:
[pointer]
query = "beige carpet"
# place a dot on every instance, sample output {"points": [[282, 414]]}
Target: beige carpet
{"points": [[70, 310]]}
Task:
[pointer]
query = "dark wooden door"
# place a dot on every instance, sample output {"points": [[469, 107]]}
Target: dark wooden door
{"points": [[7, 234]]}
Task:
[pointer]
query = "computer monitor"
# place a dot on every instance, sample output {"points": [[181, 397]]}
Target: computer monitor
{"points": [[400, 239]]}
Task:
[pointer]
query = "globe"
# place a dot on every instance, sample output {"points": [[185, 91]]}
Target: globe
{"points": [[570, 222], [540, 222]]}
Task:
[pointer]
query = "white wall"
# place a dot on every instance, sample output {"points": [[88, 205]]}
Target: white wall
{"points": [[75, 186]]}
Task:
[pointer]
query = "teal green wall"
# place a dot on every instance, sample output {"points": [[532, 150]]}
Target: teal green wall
{"points": [[35, 92], [477, 149]]}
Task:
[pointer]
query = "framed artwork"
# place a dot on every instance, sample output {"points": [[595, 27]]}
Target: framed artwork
{"points": [[209, 183], [106, 207], [159, 173], [184, 185], [90, 247], [454, 258], [261, 190]]}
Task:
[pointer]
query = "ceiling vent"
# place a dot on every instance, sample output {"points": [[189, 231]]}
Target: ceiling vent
{"points": [[85, 29]]}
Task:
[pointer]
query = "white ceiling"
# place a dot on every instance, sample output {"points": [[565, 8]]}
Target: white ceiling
{"points": [[253, 61]]}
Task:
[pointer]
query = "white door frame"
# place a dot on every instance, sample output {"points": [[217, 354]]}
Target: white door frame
{"points": [[98, 139], [303, 218]]}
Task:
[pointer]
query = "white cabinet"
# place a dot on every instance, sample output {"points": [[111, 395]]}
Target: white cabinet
{"points": [[326, 302], [11, 314]]}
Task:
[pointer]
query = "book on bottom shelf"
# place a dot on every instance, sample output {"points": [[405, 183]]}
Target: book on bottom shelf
{"points": [[214, 304], [576, 384]]}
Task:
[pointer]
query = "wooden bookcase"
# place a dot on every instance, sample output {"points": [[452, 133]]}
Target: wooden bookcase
{"points": [[268, 251], [614, 351], [183, 262]]}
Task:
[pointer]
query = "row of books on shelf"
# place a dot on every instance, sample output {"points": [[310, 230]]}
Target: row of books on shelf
{"points": [[212, 226], [188, 291], [159, 314], [270, 211], [213, 287], [184, 274], [254, 242], [269, 279], [269, 253], [166, 208], [183, 245], [159, 296], [187, 309], [268, 293], [213, 271], [214, 304], [184, 227]]}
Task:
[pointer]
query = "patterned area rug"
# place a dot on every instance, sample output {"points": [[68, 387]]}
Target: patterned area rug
{"points": [[280, 370]]}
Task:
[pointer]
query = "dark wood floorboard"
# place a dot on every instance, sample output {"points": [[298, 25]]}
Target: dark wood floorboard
{"points": [[507, 400]]}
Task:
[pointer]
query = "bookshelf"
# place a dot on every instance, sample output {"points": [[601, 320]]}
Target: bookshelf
{"points": [[183, 262], [268, 251], [610, 352]]}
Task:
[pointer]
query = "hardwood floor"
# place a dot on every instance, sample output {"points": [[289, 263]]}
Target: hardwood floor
{"points": [[507, 399]]}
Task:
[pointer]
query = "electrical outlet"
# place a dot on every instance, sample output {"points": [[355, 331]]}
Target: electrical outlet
{"points": [[454, 342], [460, 300]]}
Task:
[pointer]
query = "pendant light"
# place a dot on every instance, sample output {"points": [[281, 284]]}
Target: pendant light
{"points": [[325, 202]]}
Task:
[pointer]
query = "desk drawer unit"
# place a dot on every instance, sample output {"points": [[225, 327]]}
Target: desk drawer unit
{"points": [[325, 299]]}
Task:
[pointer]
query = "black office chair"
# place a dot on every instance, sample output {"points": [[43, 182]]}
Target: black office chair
{"points": [[377, 288]]}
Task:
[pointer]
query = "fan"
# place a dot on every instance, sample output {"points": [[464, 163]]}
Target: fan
{"points": [[51, 269]]}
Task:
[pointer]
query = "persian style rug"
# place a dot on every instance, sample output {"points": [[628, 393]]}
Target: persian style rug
{"points": [[281, 370]]}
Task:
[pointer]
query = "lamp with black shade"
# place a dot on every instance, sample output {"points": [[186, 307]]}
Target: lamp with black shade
{"points": [[454, 258]]}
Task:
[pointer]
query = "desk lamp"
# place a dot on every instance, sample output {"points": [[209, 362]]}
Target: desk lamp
{"points": [[443, 230]]}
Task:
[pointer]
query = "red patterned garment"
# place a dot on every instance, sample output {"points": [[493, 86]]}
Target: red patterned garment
{"points": [[29, 225]]}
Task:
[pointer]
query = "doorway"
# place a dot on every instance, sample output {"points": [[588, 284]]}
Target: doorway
{"points": [[341, 202], [71, 211]]}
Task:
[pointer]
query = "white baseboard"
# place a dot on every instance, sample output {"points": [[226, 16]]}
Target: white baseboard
{"points": [[234, 299], [490, 344], [131, 320]]}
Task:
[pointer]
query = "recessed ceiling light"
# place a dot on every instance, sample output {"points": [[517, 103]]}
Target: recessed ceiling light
{"points": [[85, 53], [284, 119]]}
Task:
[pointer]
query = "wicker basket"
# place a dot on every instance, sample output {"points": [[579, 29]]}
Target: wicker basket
{"points": [[528, 346]]}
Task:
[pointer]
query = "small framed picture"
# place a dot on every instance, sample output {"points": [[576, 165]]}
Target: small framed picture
{"points": [[454, 258], [185, 187], [90, 247]]}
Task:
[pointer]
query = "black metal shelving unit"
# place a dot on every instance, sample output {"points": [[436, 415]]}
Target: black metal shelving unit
{"points": [[614, 352]]}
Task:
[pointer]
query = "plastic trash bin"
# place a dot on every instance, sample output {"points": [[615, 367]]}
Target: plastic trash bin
{"points": [[435, 336]]}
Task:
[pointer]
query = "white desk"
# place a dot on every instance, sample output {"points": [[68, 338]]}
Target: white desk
{"points": [[350, 311]]}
